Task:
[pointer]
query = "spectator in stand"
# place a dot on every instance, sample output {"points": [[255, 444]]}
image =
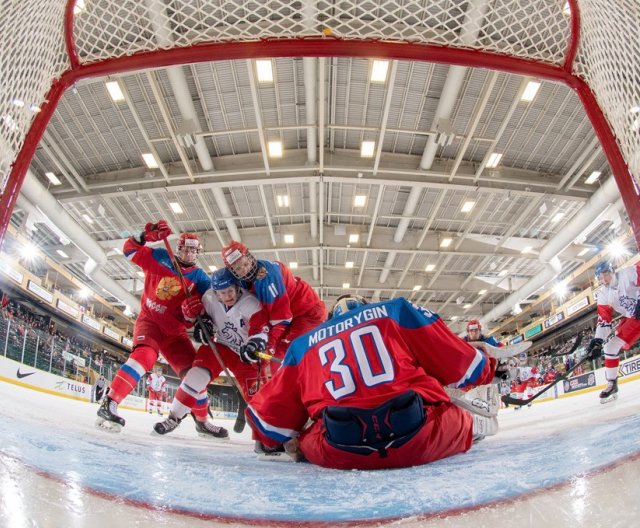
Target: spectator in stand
{"points": [[161, 326], [290, 307], [371, 381], [620, 293], [474, 334]]}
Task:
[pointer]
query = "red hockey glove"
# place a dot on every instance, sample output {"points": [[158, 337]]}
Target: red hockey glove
{"points": [[158, 231], [192, 308]]}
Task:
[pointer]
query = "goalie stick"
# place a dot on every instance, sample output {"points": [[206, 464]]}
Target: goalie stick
{"points": [[515, 401]]}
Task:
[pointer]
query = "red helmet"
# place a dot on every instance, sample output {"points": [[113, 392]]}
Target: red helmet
{"points": [[232, 253], [474, 324], [187, 242]]}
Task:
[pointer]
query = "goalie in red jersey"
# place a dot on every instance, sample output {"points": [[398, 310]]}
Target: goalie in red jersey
{"points": [[290, 307], [161, 327], [372, 382]]}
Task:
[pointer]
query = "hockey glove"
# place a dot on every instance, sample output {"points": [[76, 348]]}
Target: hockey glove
{"points": [[157, 231], [595, 348], [192, 308], [249, 351], [198, 334]]}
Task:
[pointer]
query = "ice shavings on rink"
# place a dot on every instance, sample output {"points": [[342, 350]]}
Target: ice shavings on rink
{"points": [[226, 480]]}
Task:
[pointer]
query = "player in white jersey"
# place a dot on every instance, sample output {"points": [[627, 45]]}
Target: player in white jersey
{"points": [[230, 308], [156, 385], [620, 293]]}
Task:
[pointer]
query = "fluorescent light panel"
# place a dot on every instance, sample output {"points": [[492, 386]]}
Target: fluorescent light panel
{"points": [[446, 242], [348, 264], [346, 285], [288, 239], [62, 253], [584, 251], [367, 148], [87, 219], [265, 71], [275, 149], [293, 265], [175, 207], [494, 160], [113, 87], [557, 217], [593, 177], [482, 292], [353, 238], [379, 71], [283, 200], [467, 206], [213, 268], [53, 178], [417, 287], [530, 91], [150, 160], [359, 200], [430, 267]]}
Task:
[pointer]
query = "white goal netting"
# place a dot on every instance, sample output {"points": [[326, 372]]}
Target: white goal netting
{"points": [[595, 41]]}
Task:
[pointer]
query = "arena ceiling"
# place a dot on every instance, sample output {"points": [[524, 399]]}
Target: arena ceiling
{"points": [[378, 222]]}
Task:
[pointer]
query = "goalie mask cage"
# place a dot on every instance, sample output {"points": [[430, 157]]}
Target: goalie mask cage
{"points": [[590, 45]]}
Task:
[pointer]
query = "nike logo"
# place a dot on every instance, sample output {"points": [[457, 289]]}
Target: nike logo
{"points": [[21, 375]]}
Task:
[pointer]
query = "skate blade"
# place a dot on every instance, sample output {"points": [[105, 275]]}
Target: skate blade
{"points": [[106, 425], [609, 399], [274, 457], [213, 438]]}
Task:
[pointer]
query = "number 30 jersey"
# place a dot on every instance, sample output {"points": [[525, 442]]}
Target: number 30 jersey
{"points": [[362, 359]]}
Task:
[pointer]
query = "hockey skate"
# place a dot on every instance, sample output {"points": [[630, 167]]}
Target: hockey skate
{"points": [[171, 423], [108, 418], [483, 400], [238, 427], [271, 454], [208, 430], [610, 393]]}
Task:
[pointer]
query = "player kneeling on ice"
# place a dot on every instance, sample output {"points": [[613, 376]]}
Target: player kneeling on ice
{"points": [[371, 380], [620, 292], [229, 311]]}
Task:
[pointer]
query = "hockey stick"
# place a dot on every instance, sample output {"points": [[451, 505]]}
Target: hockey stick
{"points": [[515, 401], [203, 327]]}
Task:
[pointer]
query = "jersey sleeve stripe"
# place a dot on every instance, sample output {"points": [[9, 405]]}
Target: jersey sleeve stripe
{"points": [[474, 371], [278, 434]]}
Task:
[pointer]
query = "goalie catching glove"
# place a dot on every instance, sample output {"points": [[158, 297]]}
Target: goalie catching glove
{"points": [[155, 232], [595, 348], [249, 351]]}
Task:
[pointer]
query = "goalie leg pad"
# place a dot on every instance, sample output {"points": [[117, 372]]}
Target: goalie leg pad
{"points": [[483, 399]]}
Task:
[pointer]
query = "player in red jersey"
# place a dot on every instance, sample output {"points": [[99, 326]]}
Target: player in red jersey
{"points": [[371, 380], [161, 326], [290, 307]]}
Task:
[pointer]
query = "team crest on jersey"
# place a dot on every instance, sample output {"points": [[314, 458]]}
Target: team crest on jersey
{"points": [[168, 288], [229, 334], [262, 273]]}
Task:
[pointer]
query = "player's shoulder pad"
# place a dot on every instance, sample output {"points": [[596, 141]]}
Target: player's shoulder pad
{"points": [[269, 282], [409, 315]]}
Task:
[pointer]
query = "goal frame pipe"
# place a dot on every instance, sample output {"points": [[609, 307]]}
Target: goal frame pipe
{"points": [[328, 47]]}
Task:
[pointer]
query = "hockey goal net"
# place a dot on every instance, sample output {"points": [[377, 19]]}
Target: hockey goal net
{"points": [[591, 45]]}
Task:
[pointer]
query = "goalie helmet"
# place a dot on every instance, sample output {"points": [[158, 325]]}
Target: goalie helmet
{"points": [[604, 266], [239, 261], [346, 303], [187, 243]]}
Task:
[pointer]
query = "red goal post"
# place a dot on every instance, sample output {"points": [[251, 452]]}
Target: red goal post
{"points": [[589, 45]]}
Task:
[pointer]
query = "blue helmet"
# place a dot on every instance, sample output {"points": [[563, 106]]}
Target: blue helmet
{"points": [[223, 279], [345, 303], [604, 266]]}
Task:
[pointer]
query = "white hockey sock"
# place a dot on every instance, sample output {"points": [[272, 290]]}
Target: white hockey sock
{"points": [[612, 352], [193, 384]]}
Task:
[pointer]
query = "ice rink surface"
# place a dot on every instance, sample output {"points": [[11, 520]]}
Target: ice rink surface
{"points": [[566, 463]]}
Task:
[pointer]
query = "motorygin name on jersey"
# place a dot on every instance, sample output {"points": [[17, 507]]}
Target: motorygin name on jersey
{"points": [[368, 314]]}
